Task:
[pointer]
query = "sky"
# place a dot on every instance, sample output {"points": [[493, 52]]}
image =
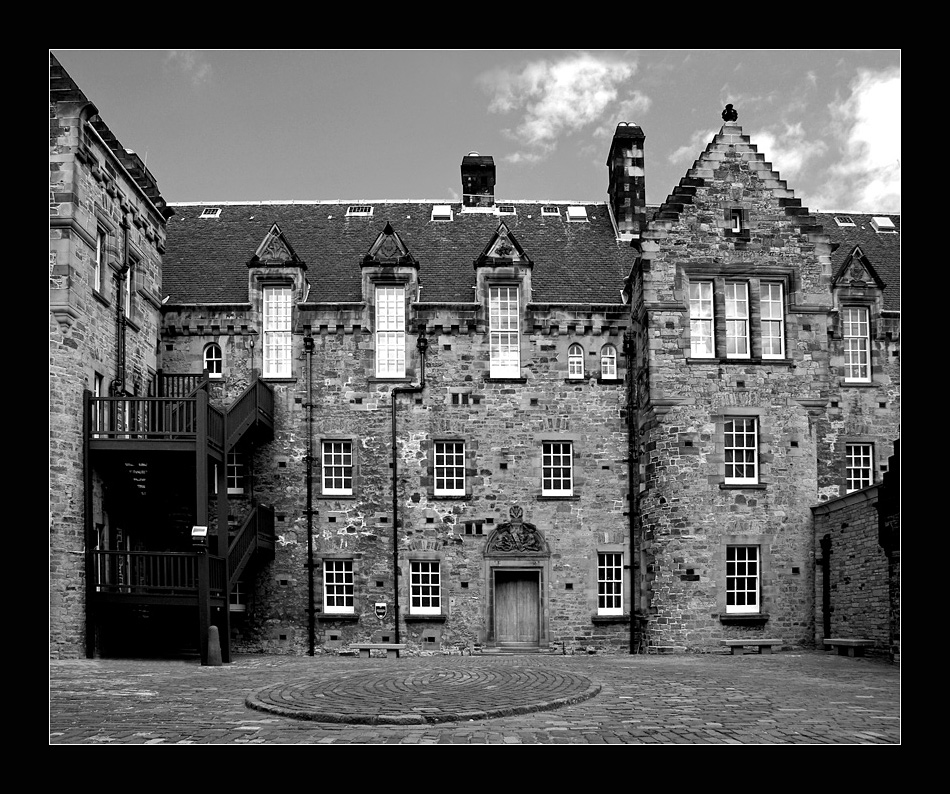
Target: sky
{"points": [[362, 125]]}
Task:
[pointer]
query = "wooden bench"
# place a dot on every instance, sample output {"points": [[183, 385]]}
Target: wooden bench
{"points": [[849, 647], [392, 648], [761, 646]]}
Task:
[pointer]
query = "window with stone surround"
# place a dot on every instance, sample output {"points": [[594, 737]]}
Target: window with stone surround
{"points": [[737, 319], [100, 259], [504, 326], [857, 344], [235, 474], [278, 308], [608, 362], [127, 289], [449, 468], [425, 587], [609, 583], [390, 331], [338, 587], [702, 340], [213, 360], [741, 450], [859, 466], [336, 460], [575, 362], [772, 319], [557, 468], [742, 580]]}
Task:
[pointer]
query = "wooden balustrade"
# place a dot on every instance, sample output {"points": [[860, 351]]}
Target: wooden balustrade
{"points": [[155, 573]]}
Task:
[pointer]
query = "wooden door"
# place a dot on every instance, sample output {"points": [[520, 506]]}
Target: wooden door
{"points": [[517, 607]]}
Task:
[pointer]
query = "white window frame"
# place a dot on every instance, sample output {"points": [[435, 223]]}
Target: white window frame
{"points": [[856, 332], [737, 319], [214, 360], [338, 587], [504, 331], [702, 325], [859, 466], [234, 474], [425, 587], [608, 362], [772, 319], [278, 337], [575, 362], [609, 583], [557, 468], [741, 450], [743, 580], [337, 467], [448, 468], [391, 331]]}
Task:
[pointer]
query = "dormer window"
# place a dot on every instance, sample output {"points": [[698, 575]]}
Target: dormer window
{"points": [[550, 211], [844, 220], [359, 211], [441, 212], [506, 209], [577, 214], [210, 212], [883, 225]]}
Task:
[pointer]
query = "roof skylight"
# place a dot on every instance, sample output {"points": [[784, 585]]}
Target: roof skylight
{"points": [[844, 220], [577, 214], [441, 212], [359, 211], [883, 225], [550, 209], [506, 209], [210, 212]]}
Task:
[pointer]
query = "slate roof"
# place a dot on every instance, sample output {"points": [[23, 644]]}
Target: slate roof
{"points": [[206, 259], [882, 250]]}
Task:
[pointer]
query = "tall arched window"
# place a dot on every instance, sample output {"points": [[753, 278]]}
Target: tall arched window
{"points": [[213, 361], [608, 362], [575, 362]]}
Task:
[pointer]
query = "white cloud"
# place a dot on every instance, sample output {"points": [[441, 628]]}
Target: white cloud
{"points": [[788, 148], [558, 98], [685, 155], [191, 63], [867, 126]]}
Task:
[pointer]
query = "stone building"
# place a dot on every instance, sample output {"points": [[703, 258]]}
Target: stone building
{"points": [[483, 425]]}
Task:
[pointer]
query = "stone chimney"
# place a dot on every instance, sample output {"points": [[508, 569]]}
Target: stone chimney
{"points": [[478, 180], [626, 187]]}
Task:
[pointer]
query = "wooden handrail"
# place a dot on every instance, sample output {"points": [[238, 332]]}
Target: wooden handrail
{"points": [[154, 573], [256, 532], [152, 418]]}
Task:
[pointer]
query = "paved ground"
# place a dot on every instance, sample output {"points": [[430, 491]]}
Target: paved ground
{"points": [[784, 698]]}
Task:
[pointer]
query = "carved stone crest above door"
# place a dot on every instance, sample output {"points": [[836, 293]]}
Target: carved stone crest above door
{"points": [[516, 537]]}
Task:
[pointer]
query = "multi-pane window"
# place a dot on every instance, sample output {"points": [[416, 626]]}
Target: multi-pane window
{"points": [[859, 469], [610, 583], [100, 259], [557, 474], [575, 362], [449, 468], [740, 450], [742, 579], [337, 465], [213, 361], [772, 310], [701, 333], [737, 319], [857, 364], [504, 335], [425, 587], [278, 304], [608, 362], [390, 332], [235, 473], [338, 586]]}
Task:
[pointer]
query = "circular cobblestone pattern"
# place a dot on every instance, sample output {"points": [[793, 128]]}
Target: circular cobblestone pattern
{"points": [[395, 692]]}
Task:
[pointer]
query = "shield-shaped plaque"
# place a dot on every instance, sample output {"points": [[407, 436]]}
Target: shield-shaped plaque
{"points": [[381, 609]]}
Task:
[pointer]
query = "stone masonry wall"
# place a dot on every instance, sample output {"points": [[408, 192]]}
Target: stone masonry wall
{"points": [[89, 190]]}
